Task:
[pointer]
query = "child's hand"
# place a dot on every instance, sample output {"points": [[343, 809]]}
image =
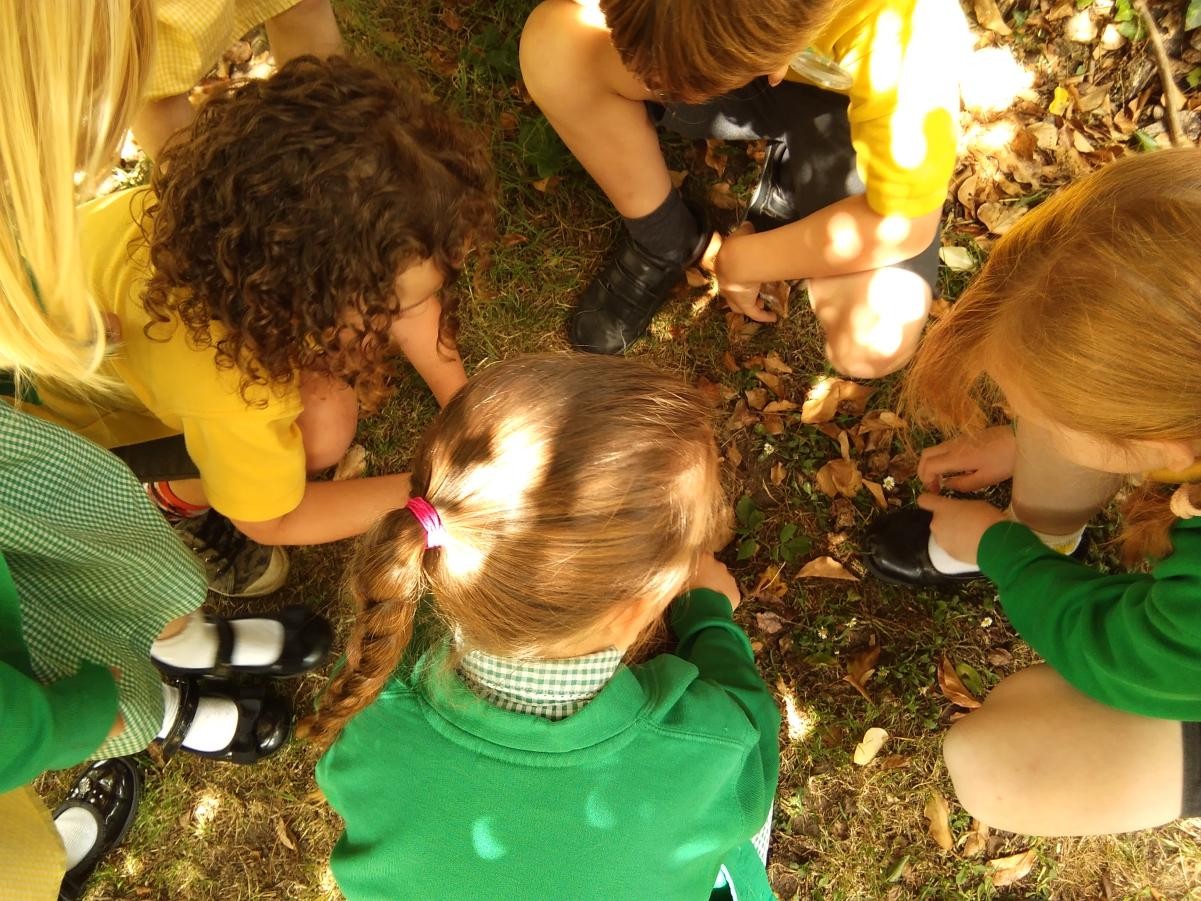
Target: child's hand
{"points": [[975, 461], [711, 573], [119, 723], [958, 526], [744, 297]]}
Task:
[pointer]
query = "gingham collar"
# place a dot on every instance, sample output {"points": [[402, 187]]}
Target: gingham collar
{"points": [[553, 689]]}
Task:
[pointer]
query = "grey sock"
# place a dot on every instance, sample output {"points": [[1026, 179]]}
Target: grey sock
{"points": [[670, 231]]}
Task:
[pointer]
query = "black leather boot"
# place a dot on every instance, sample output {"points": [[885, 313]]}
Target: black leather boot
{"points": [[896, 549]]}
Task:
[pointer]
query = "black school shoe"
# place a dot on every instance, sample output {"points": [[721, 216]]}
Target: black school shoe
{"points": [[896, 549], [109, 790], [615, 310]]}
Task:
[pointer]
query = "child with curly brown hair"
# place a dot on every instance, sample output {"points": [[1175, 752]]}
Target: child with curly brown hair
{"points": [[257, 290], [489, 736]]}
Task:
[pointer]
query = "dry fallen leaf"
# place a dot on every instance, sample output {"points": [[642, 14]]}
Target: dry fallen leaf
{"points": [[824, 398], [976, 840], [282, 833], [826, 568], [780, 406], [1000, 657], [546, 185], [770, 379], [769, 580], [839, 477], [952, 686], [999, 218], [756, 398], [957, 259], [939, 815], [769, 623], [778, 474], [861, 665], [989, 16], [1008, 870], [353, 465], [869, 747], [877, 492], [714, 159], [721, 198], [773, 363]]}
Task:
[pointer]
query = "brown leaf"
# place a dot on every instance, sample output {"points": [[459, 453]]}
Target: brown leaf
{"points": [[770, 379], [773, 424], [284, 836], [741, 417], [844, 446], [861, 665], [773, 363], [999, 218], [769, 623], [952, 686], [893, 762], [353, 465], [877, 492], [451, 19], [778, 474], [546, 185], [939, 814], [780, 406], [976, 840], [869, 747], [721, 198], [769, 580], [696, 278], [775, 296], [989, 16], [756, 398], [710, 390], [677, 177], [839, 477], [714, 159], [1008, 870], [1000, 657], [734, 455], [728, 363], [826, 568], [824, 399], [514, 239]]}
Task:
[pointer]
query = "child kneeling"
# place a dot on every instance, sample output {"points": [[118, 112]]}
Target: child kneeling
{"points": [[488, 734]]}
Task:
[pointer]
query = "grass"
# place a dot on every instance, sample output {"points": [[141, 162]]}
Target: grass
{"points": [[842, 831]]}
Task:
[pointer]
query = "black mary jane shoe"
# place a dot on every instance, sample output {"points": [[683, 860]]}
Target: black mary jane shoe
{"points": [[615, 310], [896, 549], [307, 641], [109, 790], [264, 722]]}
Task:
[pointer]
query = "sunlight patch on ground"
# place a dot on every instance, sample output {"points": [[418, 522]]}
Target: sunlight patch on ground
{"points": [[204, 811], [800, 721]]}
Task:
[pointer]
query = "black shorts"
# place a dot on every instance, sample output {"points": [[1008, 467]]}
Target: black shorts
{"points": [[1190, 804], [810, 162]]}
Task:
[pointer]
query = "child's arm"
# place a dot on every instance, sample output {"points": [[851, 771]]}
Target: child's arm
{"points": [[845, 237], [1132, 640], [50, 727], [331, 511], [415, 333], [719, 649]]}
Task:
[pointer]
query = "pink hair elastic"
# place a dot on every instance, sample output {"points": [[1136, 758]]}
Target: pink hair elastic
{"points": [[423, 510]]}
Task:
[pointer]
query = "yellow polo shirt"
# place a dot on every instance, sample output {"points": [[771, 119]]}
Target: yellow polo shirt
{"points": [[249, 451], [905, 59]]}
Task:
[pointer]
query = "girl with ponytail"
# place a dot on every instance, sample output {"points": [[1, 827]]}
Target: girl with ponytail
{"points": [[485, 734]]}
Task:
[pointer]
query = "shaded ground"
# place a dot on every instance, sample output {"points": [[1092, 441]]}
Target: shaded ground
{"points": [[842, 830]]}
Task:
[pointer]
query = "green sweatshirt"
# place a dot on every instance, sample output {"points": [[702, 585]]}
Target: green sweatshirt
{"points": [[45, 727], [644, 793], [1132, 641]]}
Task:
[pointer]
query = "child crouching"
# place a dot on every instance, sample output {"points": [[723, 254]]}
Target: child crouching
{"points": [[488, 734]]}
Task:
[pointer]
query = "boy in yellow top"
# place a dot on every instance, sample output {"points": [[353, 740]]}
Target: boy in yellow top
{"points": [[859, 101]]}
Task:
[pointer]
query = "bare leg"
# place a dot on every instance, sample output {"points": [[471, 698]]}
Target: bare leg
{"points": [[158, 120], [1040, 758], [174, 627], [307, 27], [576, 77], [329, 420], [1053, 495], [872, 320]]}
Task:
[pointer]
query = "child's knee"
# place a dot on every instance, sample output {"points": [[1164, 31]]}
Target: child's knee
{"points": [[969, 754], [872, 320], [553, 51]]}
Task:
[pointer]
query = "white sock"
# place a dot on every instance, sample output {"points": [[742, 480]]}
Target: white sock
{"points": [[79, 829], [212, 727], [945, 563], [256, 642], [1064, 544]]}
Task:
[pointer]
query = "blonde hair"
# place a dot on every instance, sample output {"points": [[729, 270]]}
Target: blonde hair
{"points": [[568, 487], [71, 75], [692, 50], [1089, 307]]}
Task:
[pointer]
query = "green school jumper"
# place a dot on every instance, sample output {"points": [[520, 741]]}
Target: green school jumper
{"points": [[647, 792], [1131, 640]]}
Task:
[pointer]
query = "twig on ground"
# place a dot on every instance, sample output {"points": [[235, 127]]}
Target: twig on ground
{"points": [[1173, 99]]}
